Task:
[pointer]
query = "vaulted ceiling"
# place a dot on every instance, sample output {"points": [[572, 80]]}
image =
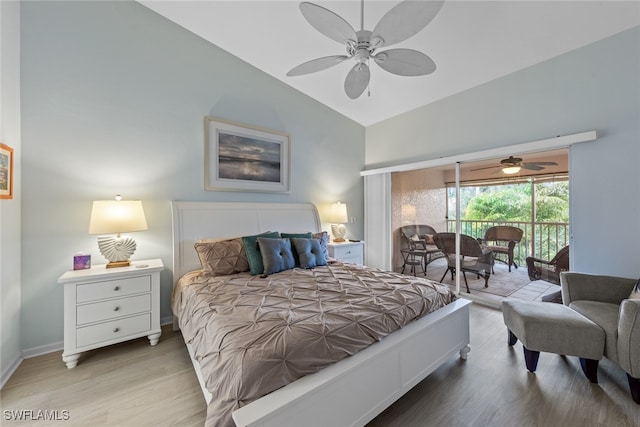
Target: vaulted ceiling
{"points": [[472, 42]]}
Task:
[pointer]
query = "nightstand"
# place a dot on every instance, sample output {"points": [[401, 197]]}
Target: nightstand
{"points": [[104, 306], [347, 251]]}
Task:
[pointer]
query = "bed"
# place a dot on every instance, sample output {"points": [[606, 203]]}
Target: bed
{"points": [[349, 392]]}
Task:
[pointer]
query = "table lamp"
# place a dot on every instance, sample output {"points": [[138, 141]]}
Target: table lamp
{"points": [[115, 217], [338, 218]]}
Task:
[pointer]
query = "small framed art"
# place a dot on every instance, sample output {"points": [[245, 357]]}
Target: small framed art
{"points": [[240, 157], [6, 172]]}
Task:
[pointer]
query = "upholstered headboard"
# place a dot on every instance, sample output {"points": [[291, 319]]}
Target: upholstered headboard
{"points": [[193, 221]]}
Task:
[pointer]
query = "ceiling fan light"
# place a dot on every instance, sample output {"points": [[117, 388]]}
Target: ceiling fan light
{"points": [[510, 170]]}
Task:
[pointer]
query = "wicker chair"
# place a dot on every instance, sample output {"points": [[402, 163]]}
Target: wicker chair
{"points": [[502, 239], [417, 240], [549, 271], [474, 258]]}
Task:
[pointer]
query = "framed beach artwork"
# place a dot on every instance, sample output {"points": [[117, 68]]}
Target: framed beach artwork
{"points": [[6, 172], [240, 157]]}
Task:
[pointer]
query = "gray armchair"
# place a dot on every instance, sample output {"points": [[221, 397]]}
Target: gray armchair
{"points": [[604, 301]]}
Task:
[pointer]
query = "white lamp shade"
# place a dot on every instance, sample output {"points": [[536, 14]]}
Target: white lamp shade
{"points": [[339, 213], [112, 216]]}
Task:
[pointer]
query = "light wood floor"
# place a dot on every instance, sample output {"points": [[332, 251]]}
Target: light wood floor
{"points": [[134, 384]]}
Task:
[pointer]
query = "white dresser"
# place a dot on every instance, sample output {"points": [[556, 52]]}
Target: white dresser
{"points": [[106, 306], [352, 252]]}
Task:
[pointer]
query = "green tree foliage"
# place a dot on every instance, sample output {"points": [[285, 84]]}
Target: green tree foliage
{"points": [[513, 203], [552, 202]]}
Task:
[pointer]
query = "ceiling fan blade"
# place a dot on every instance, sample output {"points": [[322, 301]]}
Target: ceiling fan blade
{"points": [[541, 163], [317, 65], [531, 167], [327, 22], [404, 20], [481, 169], [405, 62], [357, 80]]}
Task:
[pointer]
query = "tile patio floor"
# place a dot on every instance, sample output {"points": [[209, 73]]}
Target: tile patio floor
{"points": [[531, 291]]}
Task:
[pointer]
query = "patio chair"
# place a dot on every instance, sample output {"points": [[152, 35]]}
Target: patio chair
{"points": [[502, 239], [473, 257], [549, 271], [418, 239]]}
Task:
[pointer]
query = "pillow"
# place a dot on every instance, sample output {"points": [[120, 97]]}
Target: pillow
{"points": [[635, 292], [222, 257], [276, 255], [428, 238], [300, 235], [309, 252], [253, 252], [415, 238], [323, 236]]}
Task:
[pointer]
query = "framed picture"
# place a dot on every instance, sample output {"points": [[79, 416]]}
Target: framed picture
{"points": [[239, 157], [6, 172]]}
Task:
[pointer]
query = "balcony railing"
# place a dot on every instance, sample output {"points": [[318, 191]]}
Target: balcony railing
{"points": [[540, 239]]}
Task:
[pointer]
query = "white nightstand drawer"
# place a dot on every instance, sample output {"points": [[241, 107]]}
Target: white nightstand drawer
{"points": [[113, 330], [343, 252], [113, 288], [89, 313], [352, 252]]}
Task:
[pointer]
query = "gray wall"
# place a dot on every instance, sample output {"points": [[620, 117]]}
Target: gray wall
{"points": [[114, 98], [594, 87], [10, 209]]}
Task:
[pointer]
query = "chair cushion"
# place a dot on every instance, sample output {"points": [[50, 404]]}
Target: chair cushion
{"points": [[428, 238], [498, 248], [605, 315], [553, 328]]}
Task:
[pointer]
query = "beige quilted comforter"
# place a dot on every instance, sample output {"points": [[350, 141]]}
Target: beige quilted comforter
{"points": [[253, 335]]}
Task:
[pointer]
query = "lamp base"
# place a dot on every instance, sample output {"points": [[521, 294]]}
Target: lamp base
{"points": [[338, 231], [117, 264], [117, 250]]}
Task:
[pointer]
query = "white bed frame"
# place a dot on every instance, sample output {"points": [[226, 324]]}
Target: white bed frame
{"points": [[350, 392]]}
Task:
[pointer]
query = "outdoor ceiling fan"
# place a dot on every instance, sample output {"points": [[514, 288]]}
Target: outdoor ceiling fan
{"points": [[404, 20], [513, 165]]}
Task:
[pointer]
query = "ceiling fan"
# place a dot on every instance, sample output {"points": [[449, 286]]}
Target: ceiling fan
{"points": [[513, 165], [404, 20]]}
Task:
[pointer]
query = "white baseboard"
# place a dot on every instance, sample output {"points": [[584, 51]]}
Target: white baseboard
{"points": [[42, 349], [4, 377], [45, 349], [27, 354]]}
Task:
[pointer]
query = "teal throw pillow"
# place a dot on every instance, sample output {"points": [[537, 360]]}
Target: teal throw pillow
{"points": [[276, 255], [253, 252]]}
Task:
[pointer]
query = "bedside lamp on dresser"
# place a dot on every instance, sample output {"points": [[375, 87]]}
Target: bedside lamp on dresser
{"points": [[338, 219], [115, 217]]}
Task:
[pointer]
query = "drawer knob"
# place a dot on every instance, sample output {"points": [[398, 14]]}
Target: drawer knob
{"points": [[116, 329], [348, 252], [117, 288], [116, 308]]}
